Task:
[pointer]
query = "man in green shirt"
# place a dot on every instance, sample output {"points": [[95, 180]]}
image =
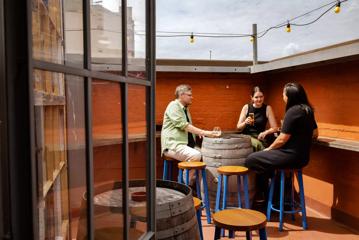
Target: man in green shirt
{"points": [[178, 133]]}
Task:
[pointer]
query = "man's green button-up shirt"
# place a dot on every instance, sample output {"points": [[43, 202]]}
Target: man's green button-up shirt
{"points": [[174, 123]]}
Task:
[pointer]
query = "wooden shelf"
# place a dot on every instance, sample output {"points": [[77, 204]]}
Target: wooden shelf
{"points": [[112, 139], [350, 145]]}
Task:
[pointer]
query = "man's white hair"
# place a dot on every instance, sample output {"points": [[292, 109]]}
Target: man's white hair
{"points": [[183, 88]]}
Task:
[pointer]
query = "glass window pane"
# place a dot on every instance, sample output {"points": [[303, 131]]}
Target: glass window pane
{"points": [[137, 135], [107, 143], [73, 21], [60, 155], [106, 35], [57, 31], [76, 154], [47, 31], [136, 38]]}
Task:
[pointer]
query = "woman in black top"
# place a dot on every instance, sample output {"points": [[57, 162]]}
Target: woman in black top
{"points": [[255, 126], [291, 148]]}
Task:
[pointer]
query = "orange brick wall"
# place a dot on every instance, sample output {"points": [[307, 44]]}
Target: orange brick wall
{"points": [[218, 97], [333, 91]]}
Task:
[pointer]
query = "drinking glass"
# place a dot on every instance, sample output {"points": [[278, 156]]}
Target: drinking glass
{"points": [[217, 131], [251, 115]]}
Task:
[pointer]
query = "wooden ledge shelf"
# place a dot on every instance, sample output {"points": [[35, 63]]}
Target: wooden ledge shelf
{"points": [[339, 143], [113, 139]]}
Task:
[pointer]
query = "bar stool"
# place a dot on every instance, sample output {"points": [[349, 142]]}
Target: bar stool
{"points": [[224, 173], [197, 206], [197, 166], [240, 220], [293, 204], [167, 167]]}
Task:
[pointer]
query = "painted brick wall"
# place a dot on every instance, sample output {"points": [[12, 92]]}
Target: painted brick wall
{"points": [[218, 98]]}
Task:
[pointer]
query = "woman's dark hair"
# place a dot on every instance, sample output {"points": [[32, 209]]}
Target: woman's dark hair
{"points": [[256, 89], [297, 96]]}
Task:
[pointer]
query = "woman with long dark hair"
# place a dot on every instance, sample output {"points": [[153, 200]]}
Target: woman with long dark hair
{"points": [[291, 148]]}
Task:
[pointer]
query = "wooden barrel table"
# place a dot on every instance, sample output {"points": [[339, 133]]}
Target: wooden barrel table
{"points": [[176, 216], [228, 150]]}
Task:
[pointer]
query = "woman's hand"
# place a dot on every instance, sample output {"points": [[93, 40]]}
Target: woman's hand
{"points": [[249, 121], [262, 135]]}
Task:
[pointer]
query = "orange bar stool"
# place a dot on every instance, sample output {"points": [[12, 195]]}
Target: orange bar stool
{"points": [[224, 173], [167, 167], [296, 207], [198, 167], [197, 206], [240, 220]]}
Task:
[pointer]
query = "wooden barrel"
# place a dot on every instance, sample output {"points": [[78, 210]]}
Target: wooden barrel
{"points": [[176, 217], [229, 150]]}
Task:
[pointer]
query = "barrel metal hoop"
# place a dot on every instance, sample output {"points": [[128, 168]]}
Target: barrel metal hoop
{"points": [[178, 229]]}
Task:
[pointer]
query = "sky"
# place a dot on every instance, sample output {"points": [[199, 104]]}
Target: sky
{"points": [[237, 16]]}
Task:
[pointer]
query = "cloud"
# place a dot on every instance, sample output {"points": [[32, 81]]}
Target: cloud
{"points": [[290, 49], [237, 16]]}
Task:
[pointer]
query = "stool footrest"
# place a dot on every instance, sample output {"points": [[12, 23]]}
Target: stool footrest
{"points": [[286, 211]]}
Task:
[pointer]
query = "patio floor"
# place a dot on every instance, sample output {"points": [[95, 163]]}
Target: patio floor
{"points": [[319, 228]]}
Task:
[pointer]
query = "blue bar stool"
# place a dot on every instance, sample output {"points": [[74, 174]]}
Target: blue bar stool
{"points": [[197, 206], [198, 167], [167, 167], [296, 207], [240, 220], [224, 173]]}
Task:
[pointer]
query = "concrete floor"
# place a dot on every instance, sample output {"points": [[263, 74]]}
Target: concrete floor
{"points": [[318, 228]]}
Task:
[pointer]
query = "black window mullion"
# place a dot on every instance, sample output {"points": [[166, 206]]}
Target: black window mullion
{"points": [[125, 160], [55, 67], [88, 119], [5, 219], [150, 103], [124, 38], [124, 111]]}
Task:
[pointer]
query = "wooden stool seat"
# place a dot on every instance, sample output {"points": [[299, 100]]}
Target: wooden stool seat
{"points": [[240, 220], [232, 170], [191, 165], [197, 203]]}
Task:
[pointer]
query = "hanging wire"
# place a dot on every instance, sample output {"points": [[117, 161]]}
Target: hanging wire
{"points": [[174, 34], [263, 33]]}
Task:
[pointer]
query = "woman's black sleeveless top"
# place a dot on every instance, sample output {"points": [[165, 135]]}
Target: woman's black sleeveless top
{"points": [[260, 120]]}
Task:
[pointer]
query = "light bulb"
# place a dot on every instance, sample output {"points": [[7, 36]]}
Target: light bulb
{"points": [[288, 28], [337, 8], [191, 38], [252, 39]]}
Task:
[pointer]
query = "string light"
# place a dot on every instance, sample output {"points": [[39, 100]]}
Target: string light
{"points": [[191, 38], [288, 27], [337, 7], [334, 4]]}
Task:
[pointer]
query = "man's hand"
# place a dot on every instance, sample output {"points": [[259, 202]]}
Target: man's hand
{"points": [[211, 134]]}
